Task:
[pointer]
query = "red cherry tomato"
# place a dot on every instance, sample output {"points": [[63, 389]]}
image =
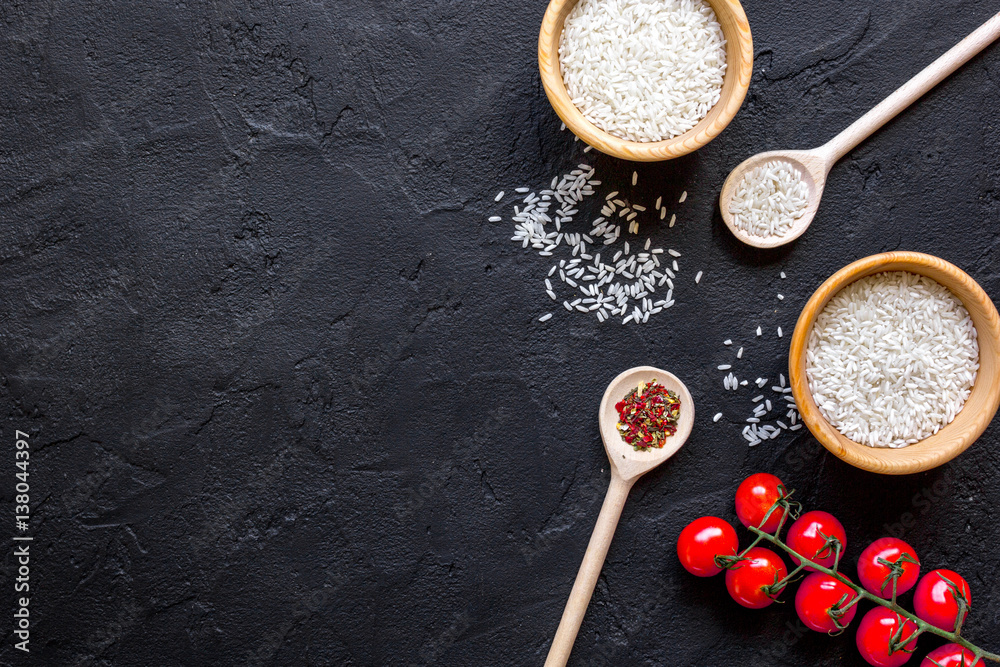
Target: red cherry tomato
{"points": [[817, 594], [748, 579], [951, 655], [701, 541], [876, 629], [808, 536], [934, 600], [873, 574], [755, 497]]}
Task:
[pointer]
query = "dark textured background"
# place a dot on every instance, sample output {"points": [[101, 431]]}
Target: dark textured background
{"points": [[289, 400]]}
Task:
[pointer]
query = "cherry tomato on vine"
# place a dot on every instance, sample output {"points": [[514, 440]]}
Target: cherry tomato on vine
{"points": [[935, 601], [875, 631], [951, 655], [874, 576], [701, 541], [809, 534], [755, 497], [748, 580], [817, 595]]}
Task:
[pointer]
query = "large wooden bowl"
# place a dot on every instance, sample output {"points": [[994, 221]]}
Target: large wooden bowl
{"points": [[739, 66], [970, 422]]}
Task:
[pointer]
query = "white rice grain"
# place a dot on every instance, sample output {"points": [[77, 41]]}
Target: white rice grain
{"points": [[892, 359], [641, 70], [769, 199]]}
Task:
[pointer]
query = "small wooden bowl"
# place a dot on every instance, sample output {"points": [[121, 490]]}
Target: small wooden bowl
{"points": [[970, 422], [739, 66]]}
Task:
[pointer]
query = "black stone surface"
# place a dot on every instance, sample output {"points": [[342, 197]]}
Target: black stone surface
{"points": [[288, 398]]}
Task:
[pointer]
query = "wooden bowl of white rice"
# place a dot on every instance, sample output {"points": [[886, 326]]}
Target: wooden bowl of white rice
{"points": [[645, 80], [895, 362]]}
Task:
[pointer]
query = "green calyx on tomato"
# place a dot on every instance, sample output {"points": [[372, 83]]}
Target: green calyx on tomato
{"points": [[763, 502]]}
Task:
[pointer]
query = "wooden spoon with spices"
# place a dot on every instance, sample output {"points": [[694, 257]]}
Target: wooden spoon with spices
{"points": [[627, 465]]}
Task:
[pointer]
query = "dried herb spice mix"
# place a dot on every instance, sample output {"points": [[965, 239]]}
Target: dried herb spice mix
{"points": [[647, 416]]}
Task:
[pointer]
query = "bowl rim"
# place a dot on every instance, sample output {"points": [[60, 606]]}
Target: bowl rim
{"points": [[927, 453], [739, 43]]}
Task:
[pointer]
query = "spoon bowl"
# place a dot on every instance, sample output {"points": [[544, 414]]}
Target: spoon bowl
{"points": [[628, 462], [627, 465], [813, 165]]}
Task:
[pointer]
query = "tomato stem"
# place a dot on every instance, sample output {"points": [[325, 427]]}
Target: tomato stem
{"points": [[778, 586], [752, 545], [960, 621], [836, 556], [781, 502], [857, 599], [960, 600], [781, 523], [897, 643], [922, 626]]}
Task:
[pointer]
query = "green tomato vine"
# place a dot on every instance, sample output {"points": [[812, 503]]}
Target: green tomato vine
{"points": [[791, 508]]}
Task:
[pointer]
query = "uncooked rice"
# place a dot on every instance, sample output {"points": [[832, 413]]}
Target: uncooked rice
{"points": [[892, 359], [757, 429], [768, 418], [642, 70], [628, 285], [769, 199]]}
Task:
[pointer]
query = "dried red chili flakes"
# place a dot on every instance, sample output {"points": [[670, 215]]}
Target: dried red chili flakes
{"points": [[647, 416]]}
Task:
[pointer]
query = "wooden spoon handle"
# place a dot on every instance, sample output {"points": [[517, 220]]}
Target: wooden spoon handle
{"points": [[912, 90], [590, 570]]}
